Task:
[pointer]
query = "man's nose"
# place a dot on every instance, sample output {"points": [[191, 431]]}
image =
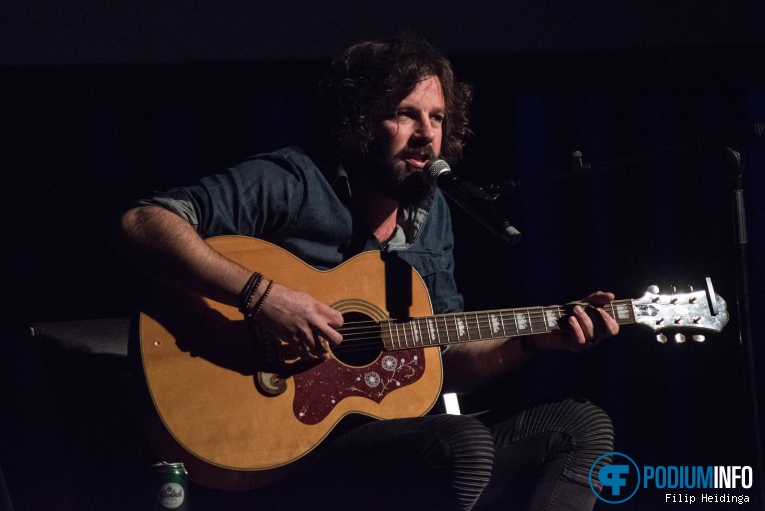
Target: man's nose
{"points": [[424, 132]]}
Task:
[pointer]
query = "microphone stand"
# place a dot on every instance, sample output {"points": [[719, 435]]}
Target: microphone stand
{"points": [[744, 310], [695, 145], [579, 166]]}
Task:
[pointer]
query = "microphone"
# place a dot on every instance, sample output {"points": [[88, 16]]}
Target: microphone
{"points": [[473, 199]]}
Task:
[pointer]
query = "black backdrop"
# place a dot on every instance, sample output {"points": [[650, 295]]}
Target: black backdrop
{"points": [[82, 140]]}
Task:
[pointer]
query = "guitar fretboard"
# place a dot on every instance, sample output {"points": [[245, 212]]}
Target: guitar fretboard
{"points": [[445, 329]]}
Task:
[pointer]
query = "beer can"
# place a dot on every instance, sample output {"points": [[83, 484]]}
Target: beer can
{"points": [[171, 487]]}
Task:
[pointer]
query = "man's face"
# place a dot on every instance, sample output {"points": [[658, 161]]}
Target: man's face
{"points": [[406, 141]]}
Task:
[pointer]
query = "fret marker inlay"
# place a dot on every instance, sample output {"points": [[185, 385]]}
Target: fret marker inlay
{"points": [[460, 327], [520, 321], [432, 330], [494, 324], [552, 319]]}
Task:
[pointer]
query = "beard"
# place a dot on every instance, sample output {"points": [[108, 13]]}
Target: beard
{"points": [[393, 176]]}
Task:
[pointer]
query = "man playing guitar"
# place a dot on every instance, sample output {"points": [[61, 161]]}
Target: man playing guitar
{"points": [[397, 108]]}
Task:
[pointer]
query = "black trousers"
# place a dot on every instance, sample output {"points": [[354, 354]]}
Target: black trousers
{"points": [[535, 458]]}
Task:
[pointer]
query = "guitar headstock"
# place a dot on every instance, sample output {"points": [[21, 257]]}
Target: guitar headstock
{"points": [[695, 311]]}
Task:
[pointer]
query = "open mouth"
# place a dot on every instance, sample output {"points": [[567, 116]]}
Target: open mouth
{"points": [[417, 160]]}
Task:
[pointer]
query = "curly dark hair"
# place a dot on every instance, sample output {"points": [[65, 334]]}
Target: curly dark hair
{"points": [[371, 78]]}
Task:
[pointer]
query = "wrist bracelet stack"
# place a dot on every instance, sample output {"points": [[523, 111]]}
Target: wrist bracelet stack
{"points": [[245, 295], [249, 289], [251, 313]]}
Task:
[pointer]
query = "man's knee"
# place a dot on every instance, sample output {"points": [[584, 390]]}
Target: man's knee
{"points": [[471, 454], [461, 439], [591, 433], [590, 426]]}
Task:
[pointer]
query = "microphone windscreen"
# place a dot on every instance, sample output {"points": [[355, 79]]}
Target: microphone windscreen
{"points": [[435, 168]]}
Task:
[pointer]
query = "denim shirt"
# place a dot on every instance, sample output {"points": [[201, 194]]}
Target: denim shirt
{"points": [[283, 198]]}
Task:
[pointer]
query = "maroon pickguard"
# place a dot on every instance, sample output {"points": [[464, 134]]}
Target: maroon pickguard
{"points": [[320, 389]]}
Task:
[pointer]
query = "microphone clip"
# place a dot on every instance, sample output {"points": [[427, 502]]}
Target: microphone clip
{"points": [[473, 200]]}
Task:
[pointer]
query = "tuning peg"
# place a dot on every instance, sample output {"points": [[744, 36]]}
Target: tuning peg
{"points": [[690, 289], [679, 338], [653, 289], [699, 338], [662, 338]]}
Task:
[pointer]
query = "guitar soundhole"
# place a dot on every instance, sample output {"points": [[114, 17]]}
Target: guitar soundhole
{"points": [[362, 343]]}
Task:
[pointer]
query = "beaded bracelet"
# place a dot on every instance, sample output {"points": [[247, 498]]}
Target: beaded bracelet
{"points": [[256, 308], [248, 290]]}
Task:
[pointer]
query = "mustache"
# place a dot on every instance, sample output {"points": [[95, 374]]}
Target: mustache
{"points": [[426, 153]]}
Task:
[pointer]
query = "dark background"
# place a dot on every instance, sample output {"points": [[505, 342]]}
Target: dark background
{"points": [[100, 105]]}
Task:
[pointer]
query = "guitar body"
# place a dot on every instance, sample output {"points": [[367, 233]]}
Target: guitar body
{"points": [[217, 408], [220, 399]]}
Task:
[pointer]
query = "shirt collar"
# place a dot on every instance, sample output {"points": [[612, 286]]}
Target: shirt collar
{"points": [[340, 184], [409, 222]]}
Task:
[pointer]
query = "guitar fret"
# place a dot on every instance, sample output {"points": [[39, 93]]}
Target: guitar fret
{"points": [[419, 331], [623, 311], [415, 337], [538, 320], [520, 322], [462, 326], [483, 325], [427, 330], [552, 317], [484, 333], [390, 332], [432, 330]]}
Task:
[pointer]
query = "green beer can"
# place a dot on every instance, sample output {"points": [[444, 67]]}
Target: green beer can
{"points": [[171, 487]]}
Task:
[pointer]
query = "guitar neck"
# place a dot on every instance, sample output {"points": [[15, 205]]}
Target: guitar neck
{"points": [[458, 327]]}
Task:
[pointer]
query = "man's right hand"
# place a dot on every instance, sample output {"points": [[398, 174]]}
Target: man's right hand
{"points": [[170, 248], [301, 321]]}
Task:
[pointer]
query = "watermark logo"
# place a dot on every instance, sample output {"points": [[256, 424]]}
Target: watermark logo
{"points": [[620, 479]]}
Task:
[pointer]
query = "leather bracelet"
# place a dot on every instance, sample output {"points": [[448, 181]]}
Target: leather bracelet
{"points": [[256, 308], [245, 295]]}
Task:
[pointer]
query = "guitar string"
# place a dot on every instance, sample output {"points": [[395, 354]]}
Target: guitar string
{"points": [[470, 317], [357, 342], [376, 343], [367, 335]]}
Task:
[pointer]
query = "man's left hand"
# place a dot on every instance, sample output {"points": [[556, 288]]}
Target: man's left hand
{"points": [[588, 325]]}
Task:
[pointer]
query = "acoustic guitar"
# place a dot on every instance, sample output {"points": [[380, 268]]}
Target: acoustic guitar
{"points": [[224, 402]]}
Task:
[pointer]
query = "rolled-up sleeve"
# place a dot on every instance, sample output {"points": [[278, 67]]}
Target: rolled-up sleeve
{"points": [[255, 198]]}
